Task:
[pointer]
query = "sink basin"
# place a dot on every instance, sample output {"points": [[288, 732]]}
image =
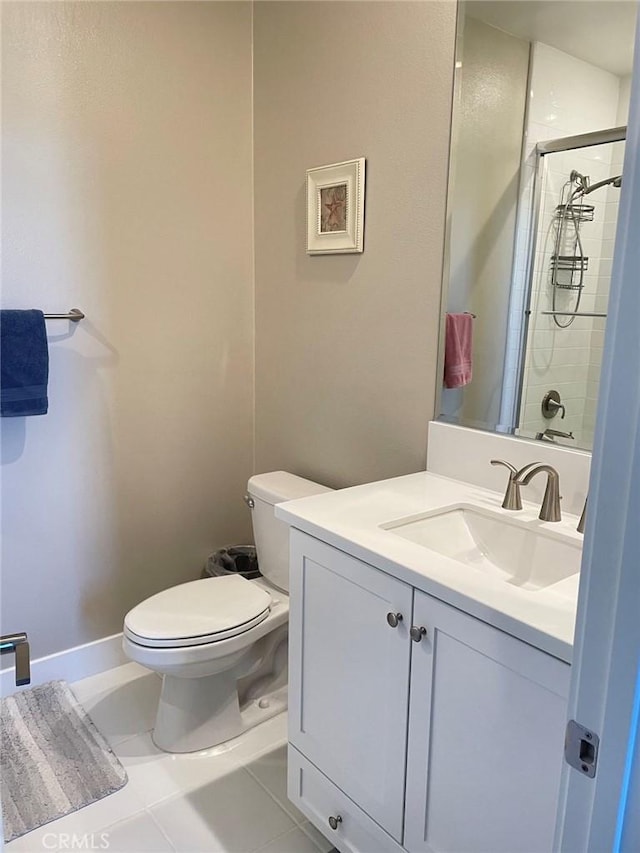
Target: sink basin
{"points": [[514, 551]]}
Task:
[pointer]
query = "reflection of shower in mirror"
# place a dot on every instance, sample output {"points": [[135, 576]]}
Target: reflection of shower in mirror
{"points": [[568, 261], [573, 221]]}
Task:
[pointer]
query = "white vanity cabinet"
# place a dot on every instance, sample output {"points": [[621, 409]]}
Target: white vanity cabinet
{"points": [[349, 676], [450, 742], [486, 730]]}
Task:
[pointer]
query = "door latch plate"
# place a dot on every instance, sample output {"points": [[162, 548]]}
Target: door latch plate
{"points": [[581, 748]]}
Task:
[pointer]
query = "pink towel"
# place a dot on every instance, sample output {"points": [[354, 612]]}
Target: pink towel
{"points": [[457, 350]]}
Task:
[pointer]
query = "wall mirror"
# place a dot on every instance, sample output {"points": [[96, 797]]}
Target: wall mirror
{"points": [[539, 122]]}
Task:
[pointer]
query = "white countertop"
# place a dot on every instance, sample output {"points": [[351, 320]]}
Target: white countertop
{"points": [[350, 520]]}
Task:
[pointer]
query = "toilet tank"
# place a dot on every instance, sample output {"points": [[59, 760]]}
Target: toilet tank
{"points": [[272, 535]]}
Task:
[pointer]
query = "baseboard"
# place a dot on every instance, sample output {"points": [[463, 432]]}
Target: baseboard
{"points": [[70, 664]]}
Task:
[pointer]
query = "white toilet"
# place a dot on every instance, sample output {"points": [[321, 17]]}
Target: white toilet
{"points": [[221, 643]]}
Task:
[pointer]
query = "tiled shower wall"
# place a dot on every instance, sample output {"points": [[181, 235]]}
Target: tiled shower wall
{"points": [[568, 97]]}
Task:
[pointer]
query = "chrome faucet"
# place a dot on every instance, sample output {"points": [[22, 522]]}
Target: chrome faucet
{"points": [[552, 434], [18, 643], [580, 527], [512, 499], [550, 509]]}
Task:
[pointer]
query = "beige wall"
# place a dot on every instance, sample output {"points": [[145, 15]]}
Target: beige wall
{"points": [[126, 192], [623, 100], [346, 345]]}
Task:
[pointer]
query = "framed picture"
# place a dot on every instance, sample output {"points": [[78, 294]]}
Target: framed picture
{"points": [[335, 208]]}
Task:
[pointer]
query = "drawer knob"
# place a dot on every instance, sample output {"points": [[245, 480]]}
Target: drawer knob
{"points": [[417, 633], [334, 822], [394, 619]]}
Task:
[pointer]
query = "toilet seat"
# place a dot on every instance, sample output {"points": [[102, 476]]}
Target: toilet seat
{"points": [[198, 612]]}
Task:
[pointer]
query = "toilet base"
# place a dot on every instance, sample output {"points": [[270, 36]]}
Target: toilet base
{"points": [[198, 713]]}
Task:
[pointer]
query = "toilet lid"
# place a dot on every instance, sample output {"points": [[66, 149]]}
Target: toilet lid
{"points": [[198, 612]]}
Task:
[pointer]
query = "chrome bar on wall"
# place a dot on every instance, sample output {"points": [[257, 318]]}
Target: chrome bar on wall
{"points": [[596, 137], [75, 315], [574, 313]]}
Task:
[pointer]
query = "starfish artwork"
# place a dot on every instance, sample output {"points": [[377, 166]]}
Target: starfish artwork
{"points": [[333, 208]]}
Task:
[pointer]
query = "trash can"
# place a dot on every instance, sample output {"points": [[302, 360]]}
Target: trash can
{"points": [[233, 560]]}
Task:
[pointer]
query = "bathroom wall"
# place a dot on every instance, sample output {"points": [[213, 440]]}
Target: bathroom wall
{"points": [[491, 93], [623, 100], [569, 97], [127, 192], [346, 345]]}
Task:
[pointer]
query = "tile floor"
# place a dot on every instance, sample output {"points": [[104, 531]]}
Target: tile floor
{"points": [[229, 799]]}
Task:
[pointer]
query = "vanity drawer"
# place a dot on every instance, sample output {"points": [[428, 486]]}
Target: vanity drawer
{"points": [[319, 799]]}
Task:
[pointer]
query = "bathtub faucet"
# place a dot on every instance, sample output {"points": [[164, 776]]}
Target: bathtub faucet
{"points": [[18, 644]]}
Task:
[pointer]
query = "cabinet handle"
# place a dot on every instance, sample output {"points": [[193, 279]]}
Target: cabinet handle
{"points": [[417, 633], [394, 619], [334, 822]]}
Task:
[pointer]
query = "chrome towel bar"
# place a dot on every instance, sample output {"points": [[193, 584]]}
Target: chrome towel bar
{"points": [[575, 313], [75, 315]]}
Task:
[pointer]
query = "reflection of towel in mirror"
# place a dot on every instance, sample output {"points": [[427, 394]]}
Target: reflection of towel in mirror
{"points": [[457, 350]]}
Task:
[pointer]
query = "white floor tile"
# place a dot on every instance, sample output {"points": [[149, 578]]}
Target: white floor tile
{"points": [[123, 702], [270, 770], [322, 844], [294, 841], [231, 815], [200, 801], [139, 834], [156, 775], [96, 684], [116, 807], [256, 742]]}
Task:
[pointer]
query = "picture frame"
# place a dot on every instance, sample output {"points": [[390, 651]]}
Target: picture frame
{"points": [[335, 208]]}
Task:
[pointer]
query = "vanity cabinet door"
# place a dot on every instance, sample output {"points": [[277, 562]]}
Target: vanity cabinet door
{"points": [[349, 675], [486, 730]]}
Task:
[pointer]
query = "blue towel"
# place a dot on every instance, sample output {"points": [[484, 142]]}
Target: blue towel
{"points": [[24, 364]]}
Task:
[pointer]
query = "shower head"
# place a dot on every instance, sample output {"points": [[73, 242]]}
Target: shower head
{"points": [[614, 181], [581, 180]]}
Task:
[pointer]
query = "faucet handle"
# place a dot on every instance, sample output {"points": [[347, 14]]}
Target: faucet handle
{"points": [[552, 404], [512, 499], [508, 465]]}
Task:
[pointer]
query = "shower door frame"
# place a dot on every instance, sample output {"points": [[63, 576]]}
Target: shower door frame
{"points": [[551, 146]]}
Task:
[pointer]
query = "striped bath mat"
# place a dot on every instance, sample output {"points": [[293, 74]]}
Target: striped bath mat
{"points": [[53, 760]]}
